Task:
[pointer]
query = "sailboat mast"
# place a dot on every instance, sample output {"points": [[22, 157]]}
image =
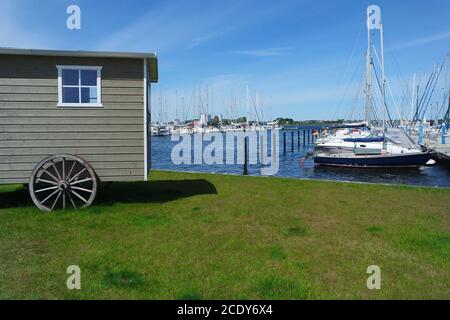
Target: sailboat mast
{"points": [[446, 76], [248, 107], [413, 97], [368, 77], [383, 76]]}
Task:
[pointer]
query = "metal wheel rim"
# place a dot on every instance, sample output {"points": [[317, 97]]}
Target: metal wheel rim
{"points": [[63, 181]]}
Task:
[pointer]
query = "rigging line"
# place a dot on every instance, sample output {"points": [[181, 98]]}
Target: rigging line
{"points": [[377, 104], [402, 79], [358, 91], [416, 115], [383, 102], [393, 100], [374, 111], [356, 71], [403, 106], [387, 82], [441, 109], [426, 92], [432, 91], [352, 52], [254, 107], [447, 114], [357, 94]]}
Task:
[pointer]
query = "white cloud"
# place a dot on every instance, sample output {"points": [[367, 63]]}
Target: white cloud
{"points": [[169, 25], [264, 52], [198, 40], [182, 24], [422, 41]]}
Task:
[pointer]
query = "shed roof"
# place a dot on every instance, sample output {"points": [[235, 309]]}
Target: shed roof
{"points": [[76, 53], [151, 57]]}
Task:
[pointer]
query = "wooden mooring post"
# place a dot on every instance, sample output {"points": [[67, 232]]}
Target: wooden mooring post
{"points": [[292, 141], [304, 138], [444, 133], [298, 140], [284, 141], [245, 173]]}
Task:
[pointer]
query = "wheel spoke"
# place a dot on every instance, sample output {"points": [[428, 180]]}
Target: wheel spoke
{"points": [[51, 195], [63, 168], [56, 201], [77, 175], [81, 181], [56, 170], [46, 189], [81, 189], [71, 169], [51, 175], [71, 200], [47, 181], [78, 195]]}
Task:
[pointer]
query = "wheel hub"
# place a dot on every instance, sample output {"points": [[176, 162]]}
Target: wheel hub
{"points": [[63, 185]]}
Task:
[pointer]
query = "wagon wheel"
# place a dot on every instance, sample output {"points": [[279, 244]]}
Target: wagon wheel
{"points": [[62, 181]]}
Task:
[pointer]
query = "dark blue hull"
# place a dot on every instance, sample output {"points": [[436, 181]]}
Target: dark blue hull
{"points": [[402, 160]]}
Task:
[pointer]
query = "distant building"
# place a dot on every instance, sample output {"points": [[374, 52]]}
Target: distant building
{"points": [[203, 119]]}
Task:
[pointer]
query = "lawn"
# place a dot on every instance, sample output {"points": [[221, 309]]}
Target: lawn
{"points": [[204, 236]]}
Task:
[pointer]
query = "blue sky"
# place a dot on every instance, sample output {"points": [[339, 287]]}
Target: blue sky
{"points": [[303, 57]]}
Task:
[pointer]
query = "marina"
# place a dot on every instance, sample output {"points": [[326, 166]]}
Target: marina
{"points": [[394, 143], [296, 161]]}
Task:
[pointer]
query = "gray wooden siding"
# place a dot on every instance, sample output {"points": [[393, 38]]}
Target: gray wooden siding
{"points": [[32, 127]]}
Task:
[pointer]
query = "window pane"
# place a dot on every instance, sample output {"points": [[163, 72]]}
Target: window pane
{"points": [[71, 95], [89, 95], [70, 77], [88, 77]]}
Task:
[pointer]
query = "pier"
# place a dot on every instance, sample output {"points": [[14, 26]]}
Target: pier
{"points": [[310, 136], [438, 144], [439, 150]]}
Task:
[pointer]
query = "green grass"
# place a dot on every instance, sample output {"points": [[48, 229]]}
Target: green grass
{"points": [[202, 236]]}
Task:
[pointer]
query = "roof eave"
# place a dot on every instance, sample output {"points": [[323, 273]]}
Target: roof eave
{"points": [[79, 53]]}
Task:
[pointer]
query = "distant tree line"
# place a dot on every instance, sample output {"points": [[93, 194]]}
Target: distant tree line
{"points": [[289, 121]]}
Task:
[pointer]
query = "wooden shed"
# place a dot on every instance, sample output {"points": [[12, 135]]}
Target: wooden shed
{"points": [[69, 119]]}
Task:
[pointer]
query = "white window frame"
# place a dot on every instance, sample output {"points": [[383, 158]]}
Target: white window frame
{"points": [[80, 104]]}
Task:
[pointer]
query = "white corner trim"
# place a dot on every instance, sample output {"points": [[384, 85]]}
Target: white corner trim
{"points": [[145, 121]]}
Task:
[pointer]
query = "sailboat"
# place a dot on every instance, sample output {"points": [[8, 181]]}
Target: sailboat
{"points": [[373, 150], [389, 148]]}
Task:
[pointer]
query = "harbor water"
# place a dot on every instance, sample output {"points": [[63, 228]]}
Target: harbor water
{"points": [[297, 162]]}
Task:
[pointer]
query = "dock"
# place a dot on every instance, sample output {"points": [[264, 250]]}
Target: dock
{"points": [[439, 150]]}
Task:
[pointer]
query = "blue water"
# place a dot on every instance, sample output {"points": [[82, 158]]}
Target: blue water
{"points": [[298, 164]]}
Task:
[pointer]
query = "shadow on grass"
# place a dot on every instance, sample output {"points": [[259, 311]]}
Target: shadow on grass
{"points": [[154, 191], [126, 192]]}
